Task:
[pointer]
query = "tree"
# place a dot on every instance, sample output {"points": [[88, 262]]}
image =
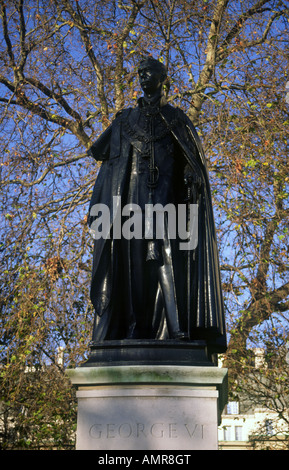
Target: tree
{"points": [[67, 66]]}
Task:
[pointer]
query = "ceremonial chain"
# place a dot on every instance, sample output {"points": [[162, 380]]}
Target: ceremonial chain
{"points": [[138, 133]]}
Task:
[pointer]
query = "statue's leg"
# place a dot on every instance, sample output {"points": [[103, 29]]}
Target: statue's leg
{"points": [[167, 282]]}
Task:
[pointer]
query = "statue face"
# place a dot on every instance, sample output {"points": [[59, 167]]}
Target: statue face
{"points": [[151, 79]]}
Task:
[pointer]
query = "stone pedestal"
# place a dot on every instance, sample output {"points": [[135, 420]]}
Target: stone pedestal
{"points": [[146, 407]]}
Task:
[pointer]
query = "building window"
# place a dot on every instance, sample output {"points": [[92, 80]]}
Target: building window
{"points": [[233, 408], [269, 427], [238, 433], [227, 433]]}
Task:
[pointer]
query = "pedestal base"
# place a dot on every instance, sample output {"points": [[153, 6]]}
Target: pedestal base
{"points": [[149, 352], [149, 407]]}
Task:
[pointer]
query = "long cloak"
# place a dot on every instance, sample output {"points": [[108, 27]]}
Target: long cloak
{"points": [[203, 312]]}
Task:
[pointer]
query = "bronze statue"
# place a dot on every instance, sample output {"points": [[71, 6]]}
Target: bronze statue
{"points": [[147, 287]]}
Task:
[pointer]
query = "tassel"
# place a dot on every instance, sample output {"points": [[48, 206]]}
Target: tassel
{"points": [[153, 252]]}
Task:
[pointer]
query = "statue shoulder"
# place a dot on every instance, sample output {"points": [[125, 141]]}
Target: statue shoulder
{"points": [[184, 117], [176, 113], [123, 113]]}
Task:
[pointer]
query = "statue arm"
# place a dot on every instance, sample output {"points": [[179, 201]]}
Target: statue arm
{"points": [[100, 149], [192, 177]]}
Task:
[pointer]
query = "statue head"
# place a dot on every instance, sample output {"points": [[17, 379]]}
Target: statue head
{"points": [[152, 75]]}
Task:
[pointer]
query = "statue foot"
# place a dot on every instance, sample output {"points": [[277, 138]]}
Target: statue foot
{"points": [[181, 336]]}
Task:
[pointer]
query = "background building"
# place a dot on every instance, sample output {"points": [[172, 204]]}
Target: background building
{"points": [[247, 424]]}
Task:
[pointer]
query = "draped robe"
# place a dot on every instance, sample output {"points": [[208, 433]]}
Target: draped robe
{"points": [[158, 291]]}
